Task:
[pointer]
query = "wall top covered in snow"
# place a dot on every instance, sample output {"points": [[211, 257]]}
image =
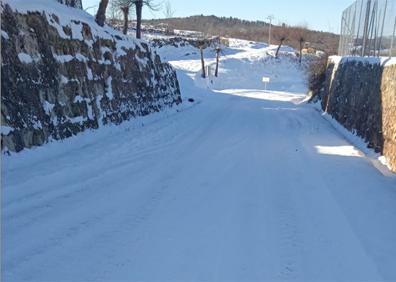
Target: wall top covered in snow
{"points": [[385, 61], [63, 17], [71, 3]]}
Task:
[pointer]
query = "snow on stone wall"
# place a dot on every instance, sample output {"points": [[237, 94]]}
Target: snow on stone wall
{"points": [[63, 74], [360, 93]]}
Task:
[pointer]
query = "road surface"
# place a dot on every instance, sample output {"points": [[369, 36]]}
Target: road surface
{"points": [[243, 185]]}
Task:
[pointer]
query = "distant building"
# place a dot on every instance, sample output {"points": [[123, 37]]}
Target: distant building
{"points": [[72, 3]]}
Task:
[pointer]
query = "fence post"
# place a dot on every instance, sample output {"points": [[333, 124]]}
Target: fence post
{"points": [[366, 26], [393, 39], [382, 28]]}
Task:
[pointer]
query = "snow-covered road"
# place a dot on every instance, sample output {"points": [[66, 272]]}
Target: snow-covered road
{"points": [[244, 185]]}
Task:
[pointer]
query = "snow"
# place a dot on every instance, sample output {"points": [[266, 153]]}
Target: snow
{"points": [[386, 61], [68, 58], [376, 159], [90, 111], [78, 99], [25, 58], [4, 34], [37, 124], [89, 73], [109, 88], [64, 58], [243, 184], [5, 130], [48, 107], [78, 119], [347, 151], [76, 29]]}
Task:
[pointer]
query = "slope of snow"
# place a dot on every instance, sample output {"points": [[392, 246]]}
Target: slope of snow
{"points": [[243, 64], [244, 184]]}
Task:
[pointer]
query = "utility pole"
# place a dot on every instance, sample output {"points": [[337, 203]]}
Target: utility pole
{"points": [[270, 18]]}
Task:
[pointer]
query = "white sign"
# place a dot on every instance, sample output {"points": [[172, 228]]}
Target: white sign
{"points": [[266, 79]]}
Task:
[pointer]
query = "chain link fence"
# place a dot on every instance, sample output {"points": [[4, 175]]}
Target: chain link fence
{"points": [[368, 29]]}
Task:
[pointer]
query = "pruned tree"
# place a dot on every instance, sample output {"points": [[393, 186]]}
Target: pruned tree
{"points": [[284, 35], [202, 44], [124, 6], [301, 41], [139, 9], [114, 12], [101, 13], [218, 50], [282, 39], [125, 12]]}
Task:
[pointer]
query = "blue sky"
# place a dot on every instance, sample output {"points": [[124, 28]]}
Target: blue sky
{"points": [[322, 15]]}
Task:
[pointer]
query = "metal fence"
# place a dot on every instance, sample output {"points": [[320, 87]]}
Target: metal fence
{"points": [[368, 29]]}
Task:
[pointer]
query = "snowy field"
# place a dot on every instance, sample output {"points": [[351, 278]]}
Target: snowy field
{"points": [[243, 184]]}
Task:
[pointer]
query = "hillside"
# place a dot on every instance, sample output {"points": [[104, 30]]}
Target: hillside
{"points": [[251, 30]]}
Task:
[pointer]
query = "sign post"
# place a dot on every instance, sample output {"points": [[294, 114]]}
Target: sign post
{"points": [[266, 80]]}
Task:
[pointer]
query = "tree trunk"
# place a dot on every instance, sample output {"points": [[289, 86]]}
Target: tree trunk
{"points": [[217, 62], [277, 50], [125, 11], [300, 51], [139, 8], [101, 14], [203, 63]]}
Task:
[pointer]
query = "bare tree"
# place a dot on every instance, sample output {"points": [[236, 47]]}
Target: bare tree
{"points": [[284, 35], [218, 50], [124, 6], [114, 12], [168, 11], [138, 8], [101, 13], [125, 12], [202, 45], [301, 41], [281, 40]]}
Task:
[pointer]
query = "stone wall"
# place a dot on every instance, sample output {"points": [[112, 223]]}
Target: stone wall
{"points": [[360, 93], [72, 3], [61, 75]]}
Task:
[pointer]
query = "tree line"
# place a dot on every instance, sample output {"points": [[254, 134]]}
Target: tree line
{"points": [[253, 30], [295, 36]]}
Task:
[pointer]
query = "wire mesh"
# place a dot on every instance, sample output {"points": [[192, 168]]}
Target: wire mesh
{"points": [[368, 29]]}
